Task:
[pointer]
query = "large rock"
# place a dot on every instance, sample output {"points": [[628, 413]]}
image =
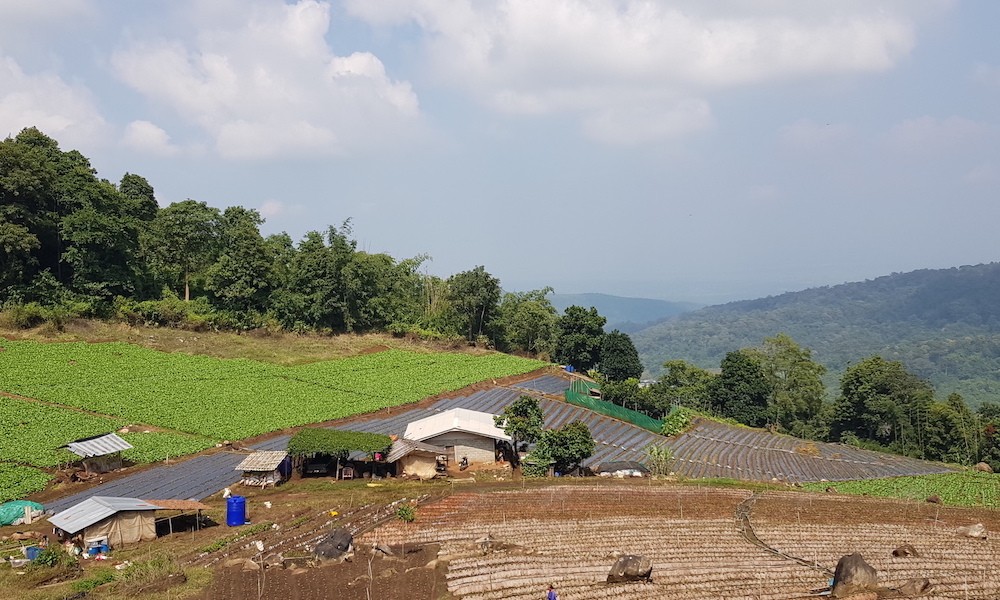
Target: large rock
{"points": [[983, 468], [631, 567], [905, 550], [853, 575], [337, 546], [977, 531]]}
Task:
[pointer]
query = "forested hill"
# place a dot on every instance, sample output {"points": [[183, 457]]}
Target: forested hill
{"points": [[944, 325]]}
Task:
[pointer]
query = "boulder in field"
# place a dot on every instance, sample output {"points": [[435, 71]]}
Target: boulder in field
{"points": [[853, 575], [631, 567], [905, 550], [337, 546], [934, 499], [983, 467], [977, 531]]}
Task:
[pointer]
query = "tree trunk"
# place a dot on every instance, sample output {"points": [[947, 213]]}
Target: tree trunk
{"points": [[187, 287]]}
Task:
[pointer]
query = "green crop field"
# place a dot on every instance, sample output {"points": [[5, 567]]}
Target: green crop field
{"points": [[234, 399], [17, 481], [966, 488], [32, 433]]}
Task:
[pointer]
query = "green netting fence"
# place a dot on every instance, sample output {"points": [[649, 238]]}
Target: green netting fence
{"points": [[584, 400]]}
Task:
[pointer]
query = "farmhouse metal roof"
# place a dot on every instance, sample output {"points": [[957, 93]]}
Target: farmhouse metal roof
{"points": [[267, 460], [456, 419], [94, 510], [98, 446], [403, 447]]}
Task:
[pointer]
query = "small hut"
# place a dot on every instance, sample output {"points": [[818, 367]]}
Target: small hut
{"points": [[108, 522], [268, 467], [100, 454], [319, 450], [417, 459]]}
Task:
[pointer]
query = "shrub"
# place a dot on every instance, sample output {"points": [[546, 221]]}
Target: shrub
{"points": [[98, 578], [406, 513], [660, 459]]}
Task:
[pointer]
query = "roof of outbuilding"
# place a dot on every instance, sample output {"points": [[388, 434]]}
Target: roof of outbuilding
{"points": [[98, 446], [94, 510], [267, 460], [404, 447], [456, 419]]}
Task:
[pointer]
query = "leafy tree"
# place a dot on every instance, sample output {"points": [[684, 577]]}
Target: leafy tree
{"points": [[567, 446], [683, 384], [741, 390], [242, 276], [183, 240], [619, 359], [522, 420], [526, 322], [140, 195], [579, 335], [950, 432], [796, 383], [474, 296], [882, 402]]}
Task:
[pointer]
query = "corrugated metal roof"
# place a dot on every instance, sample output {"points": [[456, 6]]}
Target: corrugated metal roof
{"points": [[456, 419], [98, 446], [94, 510], [267, 460], [401, 448]]}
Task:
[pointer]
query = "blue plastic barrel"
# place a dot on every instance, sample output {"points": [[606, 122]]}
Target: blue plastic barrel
{"points": [[236, 511], [32, 552]]}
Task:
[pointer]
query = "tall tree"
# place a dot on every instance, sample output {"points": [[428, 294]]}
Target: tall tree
{"points": [[619, 360], [527, 322], [140, 195], [567, 446], [474, 296], [522, 420], [578, 339], [881, 401], [684, 384], [796, 382], [184, 241], [243, 275], [741, 390]]}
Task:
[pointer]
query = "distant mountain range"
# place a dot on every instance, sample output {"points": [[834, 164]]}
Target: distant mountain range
{"points": [[944, 325], [624, 314]]}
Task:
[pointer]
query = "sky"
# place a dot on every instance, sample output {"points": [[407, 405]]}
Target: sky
{"points": [[684, 150]]}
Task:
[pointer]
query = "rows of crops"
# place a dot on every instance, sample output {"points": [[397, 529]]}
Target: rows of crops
{"points": [[967, 488], [32, 433], [17, 481], [234, 399]]}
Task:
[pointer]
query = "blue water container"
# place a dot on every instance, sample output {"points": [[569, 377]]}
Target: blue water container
{"points": [[236, 511], [32, 552]]}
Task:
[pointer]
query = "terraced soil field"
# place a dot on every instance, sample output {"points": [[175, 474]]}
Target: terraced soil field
{"points": [[713, 449], [569, 536]]}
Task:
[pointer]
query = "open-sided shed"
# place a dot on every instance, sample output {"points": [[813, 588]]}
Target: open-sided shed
{"points": [[268, 467], [100, 454]]}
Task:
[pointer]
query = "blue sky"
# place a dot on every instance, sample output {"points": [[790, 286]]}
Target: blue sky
{"points": [[680, 150]]}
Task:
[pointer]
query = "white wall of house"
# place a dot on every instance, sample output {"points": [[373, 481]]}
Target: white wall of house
{"points": [[476, 448]]}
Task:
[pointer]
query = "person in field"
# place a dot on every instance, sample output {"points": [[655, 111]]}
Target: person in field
{"points": [[552, 594]]}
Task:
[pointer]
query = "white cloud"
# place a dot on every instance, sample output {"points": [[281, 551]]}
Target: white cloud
{"points": [[638, 124], [929, 134], [21, 12], [63, 111], [271, 208], [149, 138], [270, 85], [600, 58]]}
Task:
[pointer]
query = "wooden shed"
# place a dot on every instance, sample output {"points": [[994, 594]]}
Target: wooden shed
{"points": [[268, 467], [100, 454]]}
